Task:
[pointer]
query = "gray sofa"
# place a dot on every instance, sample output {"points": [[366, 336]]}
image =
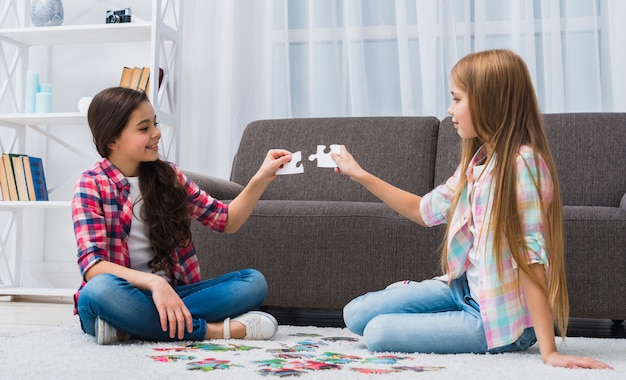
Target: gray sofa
{"points": [[321, 239]]}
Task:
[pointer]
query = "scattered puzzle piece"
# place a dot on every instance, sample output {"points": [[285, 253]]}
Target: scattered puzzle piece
{"points": [[293, 355], [211, 364], [171, 358], [292, 166], [386, 359], [418, 368], [340, 338], [272, 363], [176, 349], [373, 370], [324, 160], [307, 335], [313, 365], [280, 372], [336, 358]]}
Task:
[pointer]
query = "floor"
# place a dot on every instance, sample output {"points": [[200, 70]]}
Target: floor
{"points": [[25, 313]]}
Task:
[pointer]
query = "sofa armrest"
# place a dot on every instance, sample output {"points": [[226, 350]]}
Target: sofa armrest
{"points": [[622, 204], [218, 188]]}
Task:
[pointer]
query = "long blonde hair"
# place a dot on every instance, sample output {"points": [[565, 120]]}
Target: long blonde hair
{"points": [[505, 115]]}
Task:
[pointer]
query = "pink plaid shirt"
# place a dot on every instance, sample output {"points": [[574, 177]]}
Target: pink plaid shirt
{"points": [[102, 214], [504, 317]]}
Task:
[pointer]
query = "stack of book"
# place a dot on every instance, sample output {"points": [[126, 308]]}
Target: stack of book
{"points": [[137, 78], [22, 178]]}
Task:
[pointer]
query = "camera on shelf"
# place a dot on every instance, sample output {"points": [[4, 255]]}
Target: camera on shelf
{"points": [[116, 17]]}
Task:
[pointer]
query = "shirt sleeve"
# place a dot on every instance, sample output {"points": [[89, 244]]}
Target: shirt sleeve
{"points": [[89, 224], [435, 206], [533, 171], [202, 206]]}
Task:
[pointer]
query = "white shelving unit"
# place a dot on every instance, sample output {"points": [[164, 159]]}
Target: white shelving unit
{"points": [[21, 252]]}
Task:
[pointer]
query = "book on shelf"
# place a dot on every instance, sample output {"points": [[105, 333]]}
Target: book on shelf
{"points": [[4, 184], [134, 80], [10, 178], [39, 178], [138, 78], [22, 178], [30, 184], [127, 74], [144, 79]]}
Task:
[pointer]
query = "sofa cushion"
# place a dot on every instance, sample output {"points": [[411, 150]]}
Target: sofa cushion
{"points": [[587, 177], [448, 151], [322, 254], [400, 150], [589, 154]]}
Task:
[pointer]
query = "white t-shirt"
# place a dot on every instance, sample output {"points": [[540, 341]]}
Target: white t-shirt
{"points": [[472, 273], [139, 246]]}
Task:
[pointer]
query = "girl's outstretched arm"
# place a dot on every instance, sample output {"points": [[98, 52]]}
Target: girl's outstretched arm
{"points": [[403, 202], [241, 207], [541, 315]]}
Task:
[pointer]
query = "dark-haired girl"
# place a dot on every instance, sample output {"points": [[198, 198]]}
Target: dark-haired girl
{"points": [[132, 213]]}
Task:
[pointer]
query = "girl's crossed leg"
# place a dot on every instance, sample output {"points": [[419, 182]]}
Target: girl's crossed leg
{"points": [[133, 312], [428, 316]]}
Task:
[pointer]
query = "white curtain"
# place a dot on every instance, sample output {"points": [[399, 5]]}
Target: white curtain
{"points": [[245, 60]]}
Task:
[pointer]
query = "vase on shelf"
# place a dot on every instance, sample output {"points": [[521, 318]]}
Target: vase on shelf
{"points": [[46, 12]]}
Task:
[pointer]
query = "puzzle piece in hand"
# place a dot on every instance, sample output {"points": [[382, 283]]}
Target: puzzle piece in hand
{"points": [[292, 167], [323, 158]]}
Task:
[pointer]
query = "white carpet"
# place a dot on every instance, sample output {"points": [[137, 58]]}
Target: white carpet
{"points": [[65, 352]]}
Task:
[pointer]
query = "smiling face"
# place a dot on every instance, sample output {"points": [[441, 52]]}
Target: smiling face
{"points": [[460, 112], [138, 142]]}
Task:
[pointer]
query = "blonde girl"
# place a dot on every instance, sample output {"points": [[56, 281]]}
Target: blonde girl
{"points": [[504, 273]]}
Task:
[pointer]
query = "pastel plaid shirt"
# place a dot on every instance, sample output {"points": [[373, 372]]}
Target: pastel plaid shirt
{"points": [[504, 317], [102, 214]]}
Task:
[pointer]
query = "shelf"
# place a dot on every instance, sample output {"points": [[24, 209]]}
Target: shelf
{"points": [[78, 34], [18, 205], [22, 251], [61, 118], [47, 292]]}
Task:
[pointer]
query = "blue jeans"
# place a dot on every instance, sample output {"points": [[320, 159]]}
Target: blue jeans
{"points": [[427, 317], [132, 311]]}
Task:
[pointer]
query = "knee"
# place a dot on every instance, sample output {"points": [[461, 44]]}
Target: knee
{"points": [[101, 289], [257, 282], [99, 284], [354, 315], [376, 334], [258, 279]]}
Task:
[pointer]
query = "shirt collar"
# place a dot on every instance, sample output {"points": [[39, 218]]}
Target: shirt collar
{"points": [[479, 159], [114, 174]]}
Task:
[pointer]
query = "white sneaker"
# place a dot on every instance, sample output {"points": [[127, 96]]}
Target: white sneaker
{"points": [[105, 333], [259, 325]]}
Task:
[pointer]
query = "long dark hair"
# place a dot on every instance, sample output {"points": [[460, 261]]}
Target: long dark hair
{"points": [[164, 210]]}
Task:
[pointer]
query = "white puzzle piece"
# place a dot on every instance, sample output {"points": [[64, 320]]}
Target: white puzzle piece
{"points": [[324, 160], [292, 166]]}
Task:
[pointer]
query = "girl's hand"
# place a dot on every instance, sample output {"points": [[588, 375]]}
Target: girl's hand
{"points": [[274, 160], [173, 312], [558, 360], [346, 164]]}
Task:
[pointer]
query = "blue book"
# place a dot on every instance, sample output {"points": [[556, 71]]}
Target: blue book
{"points": [[39, 178]]}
